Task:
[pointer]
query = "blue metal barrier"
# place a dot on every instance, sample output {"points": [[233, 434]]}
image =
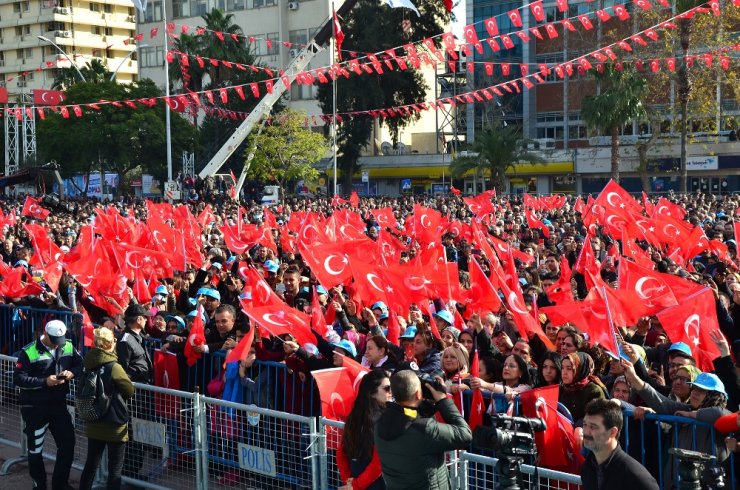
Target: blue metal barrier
{"points": [[641, 449], [20, 325]]}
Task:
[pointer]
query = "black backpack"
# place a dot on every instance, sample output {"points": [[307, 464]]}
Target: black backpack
{"points": [[91, 400]]}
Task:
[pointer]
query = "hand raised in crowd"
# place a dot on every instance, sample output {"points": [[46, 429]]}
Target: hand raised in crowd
{"points": [[476, 322], [290, 347], [229, 344], [640, 412], [718, 338]]}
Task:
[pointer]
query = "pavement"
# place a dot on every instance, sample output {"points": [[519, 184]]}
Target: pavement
{"points": [[17, 477]]}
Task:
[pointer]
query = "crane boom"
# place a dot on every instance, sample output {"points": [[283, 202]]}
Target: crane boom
{"points": [[264, 107]]}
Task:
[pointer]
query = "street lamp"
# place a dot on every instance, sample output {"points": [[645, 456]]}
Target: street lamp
{"points": [[47, 40], [113, 76]]}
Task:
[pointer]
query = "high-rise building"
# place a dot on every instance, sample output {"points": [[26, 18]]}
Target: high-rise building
{"points": [[83, 30]]}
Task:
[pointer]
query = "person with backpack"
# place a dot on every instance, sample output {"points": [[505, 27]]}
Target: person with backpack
{"points": [[43, 373], [106, 380]]}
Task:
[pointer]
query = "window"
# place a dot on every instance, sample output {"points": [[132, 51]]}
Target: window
{"points": [[18, 31], [17, 7], [275, 49], [299, 36], [94, 7], [95, 30], [201, 7], [26, 6], [236, 4], [108, 8], [152, 57], [180, 8], [153, 11], [108, 31]]}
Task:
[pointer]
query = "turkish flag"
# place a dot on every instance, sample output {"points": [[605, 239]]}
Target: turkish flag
{"points": [[176, 104], [525, 323], [87, 329], [197, 337], [241, 351], [384, 217], [48, 97], [52, 275], [557, 446], [692, 322], [425, 224], [166, 375], [45, 250], [516, 17], [614, 195], [586, 260], [330, 262], [17, 284], [337, 390], [368, 282], [534, 222], [648, 285], [665, 208], [318, 322], [477, 406], [480, 205], [32, 209], [283, 320], [483, 295], [262, 293]]}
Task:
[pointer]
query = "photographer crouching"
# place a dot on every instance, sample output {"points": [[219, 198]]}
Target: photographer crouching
{"points": [[410, 442]]}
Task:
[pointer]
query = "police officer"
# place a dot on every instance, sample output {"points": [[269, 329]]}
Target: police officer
{"points": [[43, 372], [135, 360], [132, 354]]}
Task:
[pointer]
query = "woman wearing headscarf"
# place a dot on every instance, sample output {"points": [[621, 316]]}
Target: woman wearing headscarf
{"points": [[706, 403], [579, 385]]}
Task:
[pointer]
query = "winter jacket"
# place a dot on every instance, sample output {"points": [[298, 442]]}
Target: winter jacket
{"points": [[432, 362], [36, 363], [664, 405], [412, 448], [134, 358], [618, 472], [576, 401], [103, 430]]}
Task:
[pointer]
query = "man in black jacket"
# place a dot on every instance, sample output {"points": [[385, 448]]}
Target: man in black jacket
{"points": [[43, 373], [412, 447], [607, 467]]}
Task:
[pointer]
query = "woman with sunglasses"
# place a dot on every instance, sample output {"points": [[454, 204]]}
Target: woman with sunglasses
{"points": [[357, 459], [707, 402]]}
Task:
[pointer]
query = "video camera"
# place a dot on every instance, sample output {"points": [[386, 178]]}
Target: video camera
{"points": [[510, 435], [698, 470], [512, 438]]}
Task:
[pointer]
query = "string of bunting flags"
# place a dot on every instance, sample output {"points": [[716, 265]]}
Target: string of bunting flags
{"points": [[582, 64]]}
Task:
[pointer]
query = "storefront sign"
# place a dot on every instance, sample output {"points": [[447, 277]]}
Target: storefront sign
{"points": [[702, 163]]}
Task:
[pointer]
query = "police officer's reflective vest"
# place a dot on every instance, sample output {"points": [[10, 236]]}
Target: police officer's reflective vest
{"points": [[35, 355]]}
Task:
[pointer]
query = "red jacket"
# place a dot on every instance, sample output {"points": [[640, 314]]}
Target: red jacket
{"points": [[368, 476]]}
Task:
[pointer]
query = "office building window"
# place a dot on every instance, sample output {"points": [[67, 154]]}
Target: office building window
{"points": [[94, 7], [232, 5], [180, 8], [153, 11]]}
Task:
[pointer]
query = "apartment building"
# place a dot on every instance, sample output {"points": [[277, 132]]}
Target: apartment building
{"points": [[294, 22], [83, 30], [550, 112]]}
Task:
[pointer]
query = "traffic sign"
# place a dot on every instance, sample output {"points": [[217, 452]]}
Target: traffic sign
{"points": [[365, 176]]}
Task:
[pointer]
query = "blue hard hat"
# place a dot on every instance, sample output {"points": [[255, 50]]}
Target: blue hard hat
{"points": [[161, 289], [271, 266], [193, 313], [379, 306], [210, 292], [180, 322], [346, 346], [446, 316], [410, 333], [709, 382], [680, 348], [321, 289]]}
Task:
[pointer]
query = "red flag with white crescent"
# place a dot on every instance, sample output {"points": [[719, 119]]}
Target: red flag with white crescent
{"points": [[197, 337]]}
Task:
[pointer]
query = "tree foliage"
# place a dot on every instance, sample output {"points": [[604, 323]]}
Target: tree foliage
{"points": [[371, 27], [94, 72], [619, 102], [216, 129], [116, 139], [498, 148], [286, 151]]}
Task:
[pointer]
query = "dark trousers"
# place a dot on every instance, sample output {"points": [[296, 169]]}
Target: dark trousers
{"points": [[95, 449], [56, 418]]}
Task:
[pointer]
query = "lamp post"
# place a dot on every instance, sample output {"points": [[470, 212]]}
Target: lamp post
{"points": [[47, 40], [113, 76]]}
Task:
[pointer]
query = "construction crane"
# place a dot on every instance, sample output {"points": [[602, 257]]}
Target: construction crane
{"points": [[264, 107]]}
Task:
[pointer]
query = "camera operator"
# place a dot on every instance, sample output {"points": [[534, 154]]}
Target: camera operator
{"points": [[411, 443], [607, 466]]}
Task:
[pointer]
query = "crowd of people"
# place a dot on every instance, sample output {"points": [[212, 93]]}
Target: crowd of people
{"points": [[492, 322]]}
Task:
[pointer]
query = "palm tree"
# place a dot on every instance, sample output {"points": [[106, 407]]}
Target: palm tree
{"points": [[683, 81], [619, 102], [498, 148], [94, 72]]}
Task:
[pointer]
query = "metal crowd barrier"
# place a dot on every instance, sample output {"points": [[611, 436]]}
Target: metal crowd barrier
{"points": [[20, 325], [647, 441]]}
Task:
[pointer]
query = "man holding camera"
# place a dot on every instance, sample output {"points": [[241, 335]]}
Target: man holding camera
{"points": [[411, 445], [43, 372], [607, 467]]}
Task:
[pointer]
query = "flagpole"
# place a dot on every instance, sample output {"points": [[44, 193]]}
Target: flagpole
{"points": [[334, 95], [168, 131]]}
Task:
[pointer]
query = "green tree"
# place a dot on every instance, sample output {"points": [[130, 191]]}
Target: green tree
{"points": [[94, 72], [498, 148], [286, 151], [373, 25], [217, 128], [118, 139], [619, 102]]}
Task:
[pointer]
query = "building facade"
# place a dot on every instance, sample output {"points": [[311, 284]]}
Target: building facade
{"points": [[84, 30]]}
